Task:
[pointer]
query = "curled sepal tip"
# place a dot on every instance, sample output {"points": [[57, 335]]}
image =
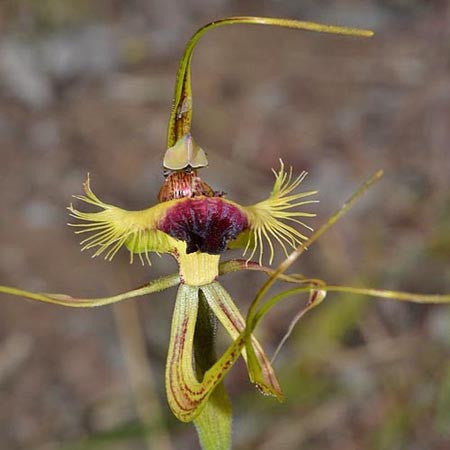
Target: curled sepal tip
{"points": [[181, 113]]}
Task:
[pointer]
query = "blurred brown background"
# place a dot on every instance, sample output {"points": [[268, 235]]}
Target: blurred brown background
{"points": [[86, 86]]}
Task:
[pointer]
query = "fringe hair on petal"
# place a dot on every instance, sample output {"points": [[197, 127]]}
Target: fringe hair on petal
{"points": [[113, 227], [268, 218]]}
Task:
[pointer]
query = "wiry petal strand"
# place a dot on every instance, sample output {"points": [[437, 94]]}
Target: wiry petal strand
{"points": [[267, 219], [113, 227]]}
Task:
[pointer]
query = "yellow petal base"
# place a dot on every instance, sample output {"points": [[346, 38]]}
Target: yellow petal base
{"points": [[198, 269]]}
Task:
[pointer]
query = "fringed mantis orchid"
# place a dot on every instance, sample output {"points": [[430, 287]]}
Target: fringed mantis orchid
{"points": [[196, 225]]}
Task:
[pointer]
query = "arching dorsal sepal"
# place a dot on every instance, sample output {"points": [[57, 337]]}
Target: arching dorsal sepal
{"points": [[185, 153]]}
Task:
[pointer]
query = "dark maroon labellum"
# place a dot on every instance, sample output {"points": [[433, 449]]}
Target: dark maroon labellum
{"points": [[206, 224]]}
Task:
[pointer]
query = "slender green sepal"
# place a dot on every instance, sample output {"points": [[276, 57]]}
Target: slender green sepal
{"points": [[376, 293], [157, 285], [317, 299], [181, 115]]}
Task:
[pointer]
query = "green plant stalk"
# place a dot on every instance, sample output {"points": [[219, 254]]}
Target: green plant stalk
{"points": [[214, 423]]}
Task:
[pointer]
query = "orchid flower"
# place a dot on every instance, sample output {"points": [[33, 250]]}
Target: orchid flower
{"points": [[197, 224]]}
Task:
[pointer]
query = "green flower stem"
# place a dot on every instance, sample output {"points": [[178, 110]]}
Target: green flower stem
{"points": [[77, 302], [213, 424], [181, 113]]}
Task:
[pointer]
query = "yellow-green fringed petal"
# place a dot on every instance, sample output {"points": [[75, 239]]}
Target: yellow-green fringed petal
{"points": [[244, 240], [269, 220], [113, 227], [151, 241]]}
